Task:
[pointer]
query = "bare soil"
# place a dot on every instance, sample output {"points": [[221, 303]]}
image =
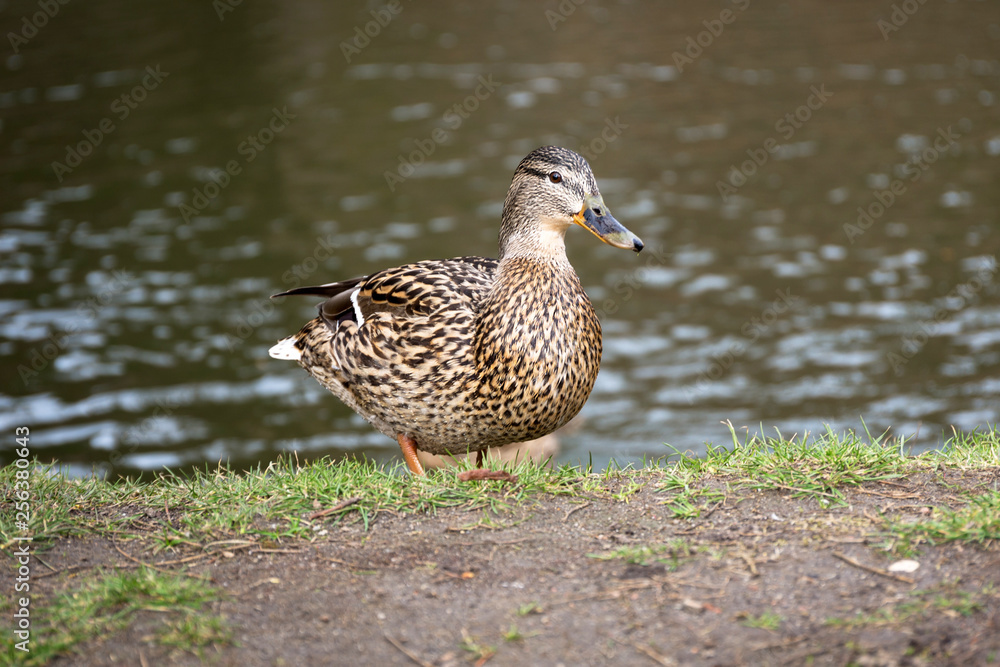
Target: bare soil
{"points": [[445, 589]]}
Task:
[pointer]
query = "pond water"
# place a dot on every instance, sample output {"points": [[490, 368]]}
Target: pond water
{"points": [[816, 185]]}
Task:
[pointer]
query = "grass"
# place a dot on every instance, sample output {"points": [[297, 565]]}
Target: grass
{"points": [[815, 468], [529, 608], [818, 468], [977, 449], [688, 499], [671, 554], [515, 634], [945, 599], [107, 602], [976, 522], [212, 510], [272, 504], [478, 651], [268, 504], [767, 620]]}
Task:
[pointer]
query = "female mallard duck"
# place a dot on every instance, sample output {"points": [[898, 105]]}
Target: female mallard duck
{"points": [[460, 355]]}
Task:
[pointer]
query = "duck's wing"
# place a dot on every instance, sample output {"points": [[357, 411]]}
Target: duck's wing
{"points": [[337, 305], [412, 290]]}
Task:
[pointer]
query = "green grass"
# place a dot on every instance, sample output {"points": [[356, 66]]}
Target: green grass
{"points": [[515, 634], [529, 608], [816, 468], [768, 620], [978, 449], [107, 602], [688, 498], [268, 504], [477, 650], [271, 505], [672, 554], [977, 522], [218, 509], [920, 605]]}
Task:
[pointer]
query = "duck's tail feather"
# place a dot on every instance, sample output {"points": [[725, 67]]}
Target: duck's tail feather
{"points": [[286, 349]]}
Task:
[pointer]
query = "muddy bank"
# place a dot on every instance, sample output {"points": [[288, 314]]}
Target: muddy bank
{"points": [[759, 578]]}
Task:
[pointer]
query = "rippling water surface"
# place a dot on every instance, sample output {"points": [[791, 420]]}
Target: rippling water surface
{"points": [[817, 193]]}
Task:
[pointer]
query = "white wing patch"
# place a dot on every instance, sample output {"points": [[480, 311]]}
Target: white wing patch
{"points": [[285, 349], [357, 308]]}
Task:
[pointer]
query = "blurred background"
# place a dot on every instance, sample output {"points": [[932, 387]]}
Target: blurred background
{"points": [[815, 182]]}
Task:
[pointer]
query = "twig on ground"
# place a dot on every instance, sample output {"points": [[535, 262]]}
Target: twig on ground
{"points": [[159, 569], [874, 570], [611, 593], [806, 491], [656, 656], [575, 509], [45, 564], [488, 541], [336, 508], [751, 565], [402, 649], [892, 496], [782, 644], [71, 568], [188, 559], [712, 511]]}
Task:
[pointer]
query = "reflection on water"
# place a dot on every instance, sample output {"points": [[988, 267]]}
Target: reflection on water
{"points": [[818, 200]]}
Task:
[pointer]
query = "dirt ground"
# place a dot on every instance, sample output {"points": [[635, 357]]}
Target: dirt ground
{"points": [[542, 585]]}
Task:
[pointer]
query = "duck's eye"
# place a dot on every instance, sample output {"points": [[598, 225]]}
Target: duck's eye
{"points": [[555, 177]]}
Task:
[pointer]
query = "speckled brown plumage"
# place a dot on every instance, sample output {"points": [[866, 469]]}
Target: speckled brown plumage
{"points": [[469, 353]]}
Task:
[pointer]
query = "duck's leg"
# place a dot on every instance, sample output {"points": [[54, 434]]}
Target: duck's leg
{"points": [[480, 458], [409, 447]]}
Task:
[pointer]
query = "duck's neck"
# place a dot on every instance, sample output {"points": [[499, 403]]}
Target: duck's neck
{"points": [[536, 240], [533, 261]]}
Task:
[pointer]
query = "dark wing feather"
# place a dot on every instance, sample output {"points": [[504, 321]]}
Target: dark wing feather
{"points": [[337, 306], [329, 290]]}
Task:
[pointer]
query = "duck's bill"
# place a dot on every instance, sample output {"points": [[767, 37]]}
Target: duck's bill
{"points": [[596, 217]]}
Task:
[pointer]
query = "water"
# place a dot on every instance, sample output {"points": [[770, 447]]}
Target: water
{"points": [[205, 163]]}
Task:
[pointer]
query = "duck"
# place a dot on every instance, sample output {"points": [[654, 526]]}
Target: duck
{"points": [[460, 355]]}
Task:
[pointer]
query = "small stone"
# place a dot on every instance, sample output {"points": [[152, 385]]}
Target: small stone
{"points": [[904, 566]]}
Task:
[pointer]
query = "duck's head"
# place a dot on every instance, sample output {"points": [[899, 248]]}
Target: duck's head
{"points": [[552, 189]]}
